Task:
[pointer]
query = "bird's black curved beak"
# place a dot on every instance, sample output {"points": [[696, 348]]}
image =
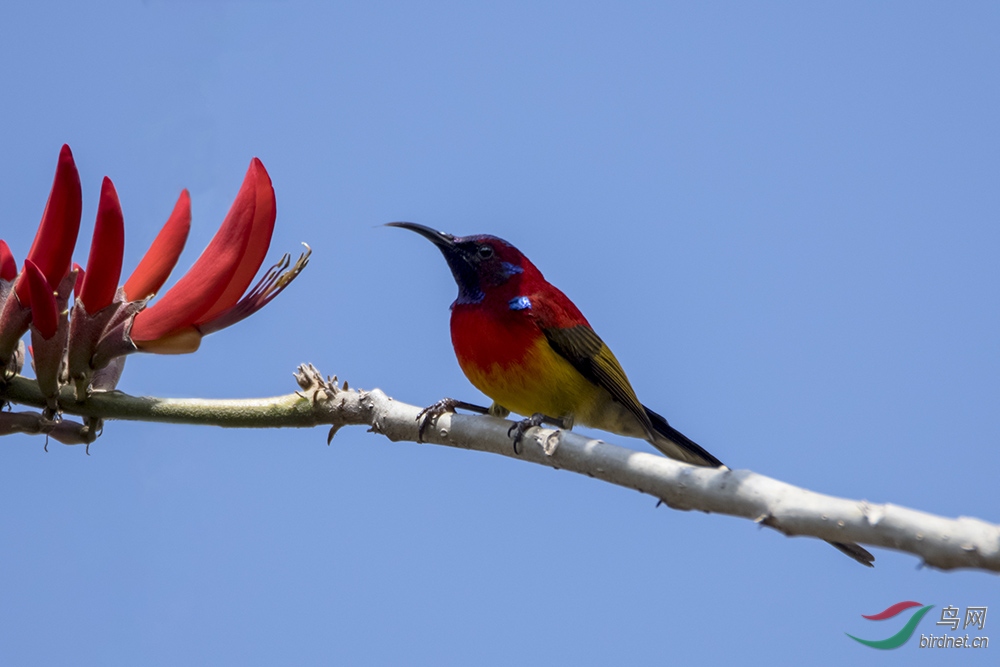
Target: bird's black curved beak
{"points": [[442, 240]]}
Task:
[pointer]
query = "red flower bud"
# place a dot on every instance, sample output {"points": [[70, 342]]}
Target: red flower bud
{"points": [[52, 249], [104, 266], [44, 313], [8, 267]]}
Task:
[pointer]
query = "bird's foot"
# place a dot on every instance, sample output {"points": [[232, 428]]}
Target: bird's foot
{"points": [[518, 430], [430, 414]]}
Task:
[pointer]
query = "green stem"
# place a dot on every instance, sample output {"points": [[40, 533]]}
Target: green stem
{"points": [[291, 410]]}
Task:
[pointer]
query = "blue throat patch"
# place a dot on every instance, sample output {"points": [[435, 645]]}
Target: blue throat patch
{"points": [[519, 303]]}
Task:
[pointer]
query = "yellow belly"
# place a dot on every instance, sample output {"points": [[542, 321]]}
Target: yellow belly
{"points": [[508, 359], [542, 382]]}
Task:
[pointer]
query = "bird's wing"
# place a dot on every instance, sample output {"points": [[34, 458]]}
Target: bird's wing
{"points": [[584, 349]]}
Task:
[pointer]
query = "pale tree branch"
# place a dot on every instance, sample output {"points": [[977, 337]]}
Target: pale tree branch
{"points": [[940, 542]]}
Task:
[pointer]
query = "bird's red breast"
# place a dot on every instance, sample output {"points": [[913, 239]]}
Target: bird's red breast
{"points": [[501, 347]]}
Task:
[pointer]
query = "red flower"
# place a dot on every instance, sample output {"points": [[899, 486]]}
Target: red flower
{"points": [[88, 344], [207, 297], [48, 332], [108, 322], [103, 316], [44, 311], [162, 256], [51, 253], [52, 250], [97, 309], [104, 266], [8, 267]]}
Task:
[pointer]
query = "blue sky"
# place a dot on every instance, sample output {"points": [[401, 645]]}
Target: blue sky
{"points": [[782, 217]]}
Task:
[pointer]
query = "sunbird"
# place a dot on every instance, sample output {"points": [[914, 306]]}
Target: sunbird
{"points": [[523, 343]]}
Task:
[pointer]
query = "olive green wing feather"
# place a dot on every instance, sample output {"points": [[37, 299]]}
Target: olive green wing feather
{"points": [[584, 349], [588, 354]]}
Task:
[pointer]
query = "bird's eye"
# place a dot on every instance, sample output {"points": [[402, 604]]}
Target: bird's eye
{"points": [[485, 252]]}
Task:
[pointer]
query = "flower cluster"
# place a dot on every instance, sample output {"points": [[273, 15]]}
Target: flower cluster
{"points": [[84, 342]]}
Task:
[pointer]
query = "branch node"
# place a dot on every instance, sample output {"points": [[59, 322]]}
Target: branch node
{"points": [[769, 520], [873, 513], [551, 443]]}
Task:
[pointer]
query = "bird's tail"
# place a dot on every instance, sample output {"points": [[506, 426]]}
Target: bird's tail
{"points": [[678, 446]]}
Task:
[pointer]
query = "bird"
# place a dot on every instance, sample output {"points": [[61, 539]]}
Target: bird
{"points": [[527, 346]]}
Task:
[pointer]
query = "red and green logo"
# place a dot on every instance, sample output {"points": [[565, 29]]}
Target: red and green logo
{"points": [[904, 634]]}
